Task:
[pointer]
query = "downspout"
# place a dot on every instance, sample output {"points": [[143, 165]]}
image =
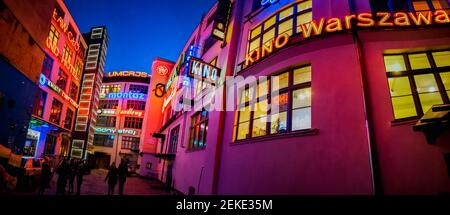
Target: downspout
{"points": [[377, 185], [236, 18]]}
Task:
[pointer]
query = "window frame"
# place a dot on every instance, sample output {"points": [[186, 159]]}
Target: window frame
{"points": [[133, 122], [196, 126], [411, 73], [251, 103], [275, 26]]}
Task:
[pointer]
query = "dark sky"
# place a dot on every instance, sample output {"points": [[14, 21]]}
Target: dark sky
{"points": [[140, 30]]}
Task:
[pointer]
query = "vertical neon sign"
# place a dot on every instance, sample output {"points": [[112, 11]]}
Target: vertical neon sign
{"points": [[265, 2]]}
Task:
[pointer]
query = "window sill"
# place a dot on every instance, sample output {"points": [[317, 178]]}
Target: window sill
{"points": [[194, 150], [306, 132], [409, 121]]}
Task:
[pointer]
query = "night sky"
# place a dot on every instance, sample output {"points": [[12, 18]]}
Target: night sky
{"points": [[140, 30]]}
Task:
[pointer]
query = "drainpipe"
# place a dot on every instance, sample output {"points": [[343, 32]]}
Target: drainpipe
{"points": [[377, 185], [237, 6]]}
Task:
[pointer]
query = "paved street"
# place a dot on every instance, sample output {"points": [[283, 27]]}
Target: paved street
{"points": [[94, 184]]}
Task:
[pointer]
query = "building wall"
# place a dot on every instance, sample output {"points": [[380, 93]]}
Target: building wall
{"points": [[408, 164]]}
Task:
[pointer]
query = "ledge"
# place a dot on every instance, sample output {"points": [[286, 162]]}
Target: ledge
{"points": [[306, 132]]}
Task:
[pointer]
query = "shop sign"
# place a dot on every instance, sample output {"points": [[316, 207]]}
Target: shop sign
{"points": [[360, 21], [162, 70], [173, 78], [127, 74], [114, 131], [131, 112], [203, 71], [45, 82], [221, 19], [65, 28], [128, 95]]}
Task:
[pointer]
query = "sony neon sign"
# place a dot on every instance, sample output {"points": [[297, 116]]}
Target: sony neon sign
{"points": [[114, 131], [362, 20], [201, 70], [45, 82], [127, 95], [127, 74]]}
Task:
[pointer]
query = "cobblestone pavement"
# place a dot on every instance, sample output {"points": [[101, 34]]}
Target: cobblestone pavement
{"points": [[94, 184]]}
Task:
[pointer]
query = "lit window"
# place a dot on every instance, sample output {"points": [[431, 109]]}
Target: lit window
{"points": [[442, 59], [421, 5], [445, 76], [199, 130], [53, 36], [279, 23], [422, 76], [253, 118]]}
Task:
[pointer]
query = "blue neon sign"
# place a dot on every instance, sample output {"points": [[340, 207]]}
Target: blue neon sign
{"points": [[265, 2], [129, 95]]}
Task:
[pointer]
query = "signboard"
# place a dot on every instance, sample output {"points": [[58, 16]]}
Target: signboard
{"points": [[267, 2], [221, 19], [114, 131], [129, 112], [360, 21], [127, 74], [127, 95], [203, 71], [45, 82]]}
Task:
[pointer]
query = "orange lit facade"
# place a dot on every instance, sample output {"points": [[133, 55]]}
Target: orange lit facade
{"points": [[56, 103]]}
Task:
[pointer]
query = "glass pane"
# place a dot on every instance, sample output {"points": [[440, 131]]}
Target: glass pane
{"points": [[301, 98], [399, 86], [446, 80], [261, 109], [259, 127], [246, 95], [429, 99], [268, 36], [278, 123], [243, 131], [263, 89], [304, 5], [439, 4], [302, 75], [426, 83], [255, 32], [420, 5], [394, 63], [280, 103], [303, 19], [270, 22], [254, 44], [280, 81], [286, 12], [442, 58], [301, 119], [244, 114], [285, 27], [404, 107], [419, 61]]}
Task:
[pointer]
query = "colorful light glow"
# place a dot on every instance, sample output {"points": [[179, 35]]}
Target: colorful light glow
{"points": [[203, 71], [266, 2], [127, 74], [114, 131], [127, 95], [45, 82], [363, 20]]}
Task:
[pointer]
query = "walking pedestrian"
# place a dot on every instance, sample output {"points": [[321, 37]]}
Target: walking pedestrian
{"points": [[46, 176], [63, 173], [72, 173], [111, 178], [81, 169], [123, 172]]}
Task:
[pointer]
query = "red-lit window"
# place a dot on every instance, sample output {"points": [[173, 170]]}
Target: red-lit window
{"points": [[39, 103], [133, 122], [131, 143], [62, 80], [73, 93], [69, 119], [108, 104], [136, 105], [55, 112]]}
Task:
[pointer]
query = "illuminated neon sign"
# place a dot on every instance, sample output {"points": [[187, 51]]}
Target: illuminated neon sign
{"points": [[362, 20], [127, 74], [65, 28], [45, 82], [266, 2], [128, 95], [114, 131], [129, 112], [201, 70]]}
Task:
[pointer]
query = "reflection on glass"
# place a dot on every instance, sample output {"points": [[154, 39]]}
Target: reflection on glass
{"points": [[394, 63], [419, 61], [301, 119], [278, 123]]}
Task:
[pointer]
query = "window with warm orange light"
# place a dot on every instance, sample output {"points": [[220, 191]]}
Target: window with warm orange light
{"points": [[289, 91], [53, 36], [417, 81], [285, 21]]}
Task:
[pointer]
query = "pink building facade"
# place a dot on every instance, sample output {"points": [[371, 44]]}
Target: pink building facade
{"points": [[351, 92]]}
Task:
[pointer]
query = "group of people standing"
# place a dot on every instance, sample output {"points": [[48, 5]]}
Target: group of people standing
{"points": [[67, 172], [117, 174]]}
